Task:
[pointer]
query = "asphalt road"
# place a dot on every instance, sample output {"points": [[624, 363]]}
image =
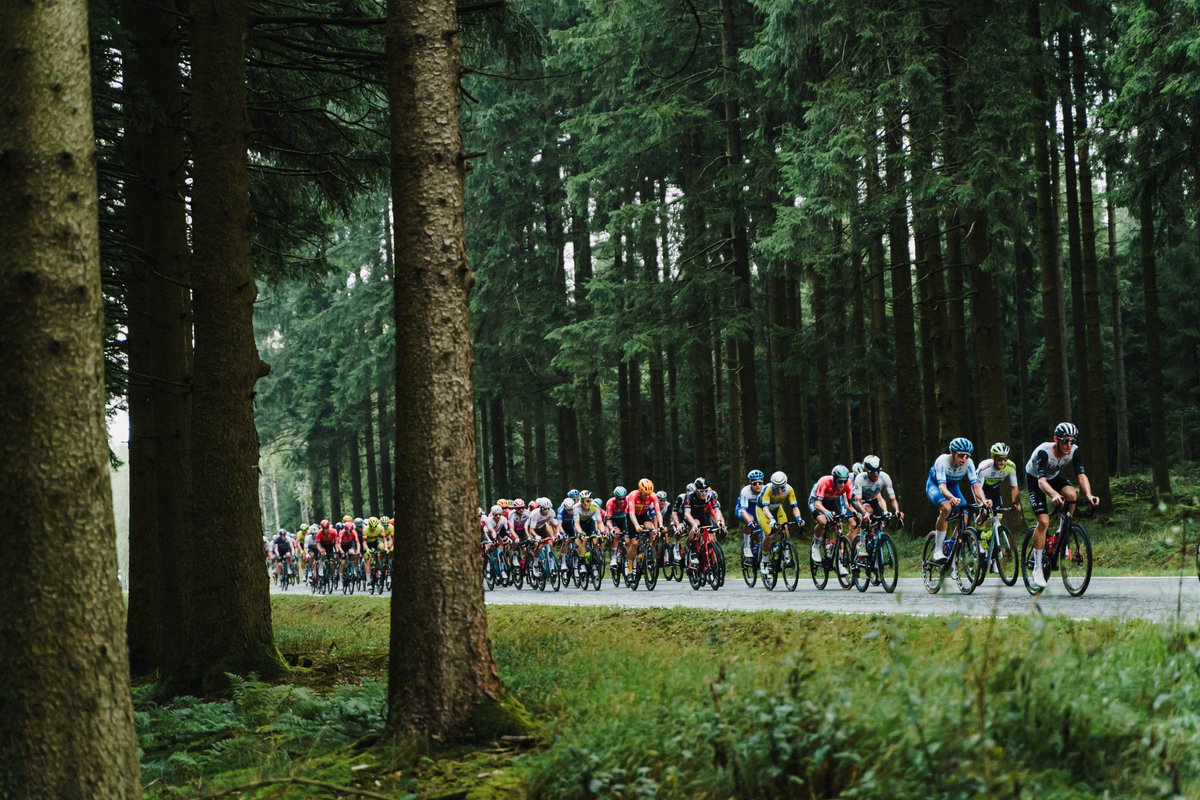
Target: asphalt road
{"points": [[1158, 599]]}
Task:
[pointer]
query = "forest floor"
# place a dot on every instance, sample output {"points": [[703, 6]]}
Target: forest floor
{"points": [[690, 703]]}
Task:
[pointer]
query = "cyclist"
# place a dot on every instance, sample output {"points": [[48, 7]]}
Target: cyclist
{"points": [[869, 486], [677, 506], [1043, 476], [701, 507], [589, 518], [311, 548], [327, 539], [641, 510], [566, 512], [743, 509], [281, 550], [372, 536], [996, 471], [942, 486], [518, 518], [348, 546], [496, 530], [616, 518], [542, 521], [829, 488], [768, 509]]}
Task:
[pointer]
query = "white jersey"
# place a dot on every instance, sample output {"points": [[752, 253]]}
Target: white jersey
{"points": [[540, 519], [1045, 463], [944, 471], [992, 476], [867, 489]]}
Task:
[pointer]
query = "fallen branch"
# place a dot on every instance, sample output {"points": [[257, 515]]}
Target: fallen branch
{"points": [[333, 787]]}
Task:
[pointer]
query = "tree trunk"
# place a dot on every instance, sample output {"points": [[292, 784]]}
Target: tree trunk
{"points": [[624, 421], [527, 452], [386, 485], [539, 444], [314, 483], [674, 468], [1074, 246], [499, 445], [440, 674], [1055, 368], [882, 361], [230, 628], [957, 330], [1154, 375], [335, 480], [68, 729], [911, 473], [1120, 390], [160, 330], [637, 449], [821, 303], [777, 319], [356, 487], [989, 359], [568, 436], [1097, 405], [372, 469], [658, 419], [799, 451], [1023, 268]]}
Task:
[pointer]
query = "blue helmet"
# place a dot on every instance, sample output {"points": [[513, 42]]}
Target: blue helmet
{"points": [[573, 494], [961, 445], [756, 475], [620, 491]]}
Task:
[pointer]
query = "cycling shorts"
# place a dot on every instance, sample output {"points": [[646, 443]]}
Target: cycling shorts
{"points": [[934, 493], [1037, 498]]}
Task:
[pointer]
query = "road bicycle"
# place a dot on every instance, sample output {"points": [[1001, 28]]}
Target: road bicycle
{"points": [[782, 559], [996, 553], [827, 546], [705, 560], [1068, 550], [961, 551], [877, 563]]}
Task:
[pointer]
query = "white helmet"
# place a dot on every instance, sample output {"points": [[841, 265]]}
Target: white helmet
{"points": [[871, 463], [497, 510], [778, 479], [544, 503], [313, 528]]}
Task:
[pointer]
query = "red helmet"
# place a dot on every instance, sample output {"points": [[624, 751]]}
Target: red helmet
{"points": [[324, 523]]}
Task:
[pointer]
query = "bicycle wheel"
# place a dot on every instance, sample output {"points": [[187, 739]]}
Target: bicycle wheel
{"points": [[887, 563], [596, 566], [771, 560], [862, 569], [750, 570], [843, 556], [1027, 564], [651, 569], [619, 566], [820, 570], [966, 560], [489, 574], [720, 566], [1075, 563], [931, 572], [789, 567], [551, 569], [716, 566], [1005, 557]]}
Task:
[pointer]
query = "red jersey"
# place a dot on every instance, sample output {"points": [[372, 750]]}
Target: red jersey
{"points": [[637, 503], [327, 537], [824, 489]]}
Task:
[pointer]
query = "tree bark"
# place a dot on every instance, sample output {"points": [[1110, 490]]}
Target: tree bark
{"points": [[527, 452], [539, 443], [1154, 375], [777, 319], [1024, 270], [499, 445], [882, 360], [160, 311], [334, 456], [356, 486], [388, 501], [1120, 389], [314, 483], [821, 300], [441, 675], [230, 624], [1055, 369], [68, 729]]}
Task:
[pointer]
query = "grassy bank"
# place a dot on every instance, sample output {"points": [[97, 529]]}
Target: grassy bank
{"points": [[686, 703]]}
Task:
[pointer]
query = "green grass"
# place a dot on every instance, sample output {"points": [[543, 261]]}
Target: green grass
{"points": [[691, 703]]}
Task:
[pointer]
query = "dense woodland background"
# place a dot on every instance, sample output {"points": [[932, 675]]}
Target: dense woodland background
{"points": [[710, 236]]}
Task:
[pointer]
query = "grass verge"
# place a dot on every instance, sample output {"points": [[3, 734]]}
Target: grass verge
{"points": [[691, 703]]}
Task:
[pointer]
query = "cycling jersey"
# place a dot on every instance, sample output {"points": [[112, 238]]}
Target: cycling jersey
{"points": [[638, 504], [373, 533], [496, 526], [745, 502], [565, 511], [944, 471], [283, 543], [770, 502], [518, 520], [327, 537], [991, 476], [1045, 463], [702, 505], [539, 519], [867, 489], [614, 509], [593, 512]]}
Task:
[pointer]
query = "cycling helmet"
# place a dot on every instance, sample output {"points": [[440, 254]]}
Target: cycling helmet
{"points": [[646, 486], [502, 503], [314, 528], [385, 521], [518, 503], [661, 495], [620, 491], [324, 523], [347, 518], [544, 503], [1066, 429], [282, 532], [871, 463], [701, 484], [497, 510], [373, 522], [857, 467], [340, 527], [573, 494], [358, 521], [691, 487], [961, 445], [999, 450], [779, 479], [840, 473], [585, 495], [755, 475]]}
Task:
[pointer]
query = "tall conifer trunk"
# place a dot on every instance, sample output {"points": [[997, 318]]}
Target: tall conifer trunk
{"points": [[441, 671], [68, 730], [499, 445], [356, 484], [1158, 431], [230, 623], [334, 466], [386, 485], [824, 343], [375, 506], [1120, 390], [1074, 245]]}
